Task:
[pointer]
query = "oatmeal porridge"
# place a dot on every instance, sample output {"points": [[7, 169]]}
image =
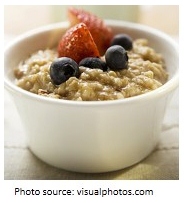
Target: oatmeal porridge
{"points": [[145, 72]]}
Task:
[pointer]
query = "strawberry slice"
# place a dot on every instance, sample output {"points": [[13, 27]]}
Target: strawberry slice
{"points": [[77, 43], [101, 33]]}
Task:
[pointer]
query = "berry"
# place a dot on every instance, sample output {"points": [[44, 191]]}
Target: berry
{"points": [[123, 40], [101, 33], [92, 62], [116, 57], [62, 69], [77, 43]]}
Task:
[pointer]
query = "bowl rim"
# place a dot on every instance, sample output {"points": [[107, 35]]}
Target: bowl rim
{"points": [[169, 86]]}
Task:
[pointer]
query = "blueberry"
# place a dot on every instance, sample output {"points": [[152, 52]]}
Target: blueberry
{"points": [[62, 69], [92, 62], [123, 40], [116, 57]]}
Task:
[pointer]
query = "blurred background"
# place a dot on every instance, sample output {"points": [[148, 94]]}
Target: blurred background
{"points": [[18, 19]]}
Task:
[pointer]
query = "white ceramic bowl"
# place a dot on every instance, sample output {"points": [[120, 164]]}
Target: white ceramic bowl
{"points": [[91, 136]]}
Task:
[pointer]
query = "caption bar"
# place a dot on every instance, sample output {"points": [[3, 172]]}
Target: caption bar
{"points": [[81, 192]]}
